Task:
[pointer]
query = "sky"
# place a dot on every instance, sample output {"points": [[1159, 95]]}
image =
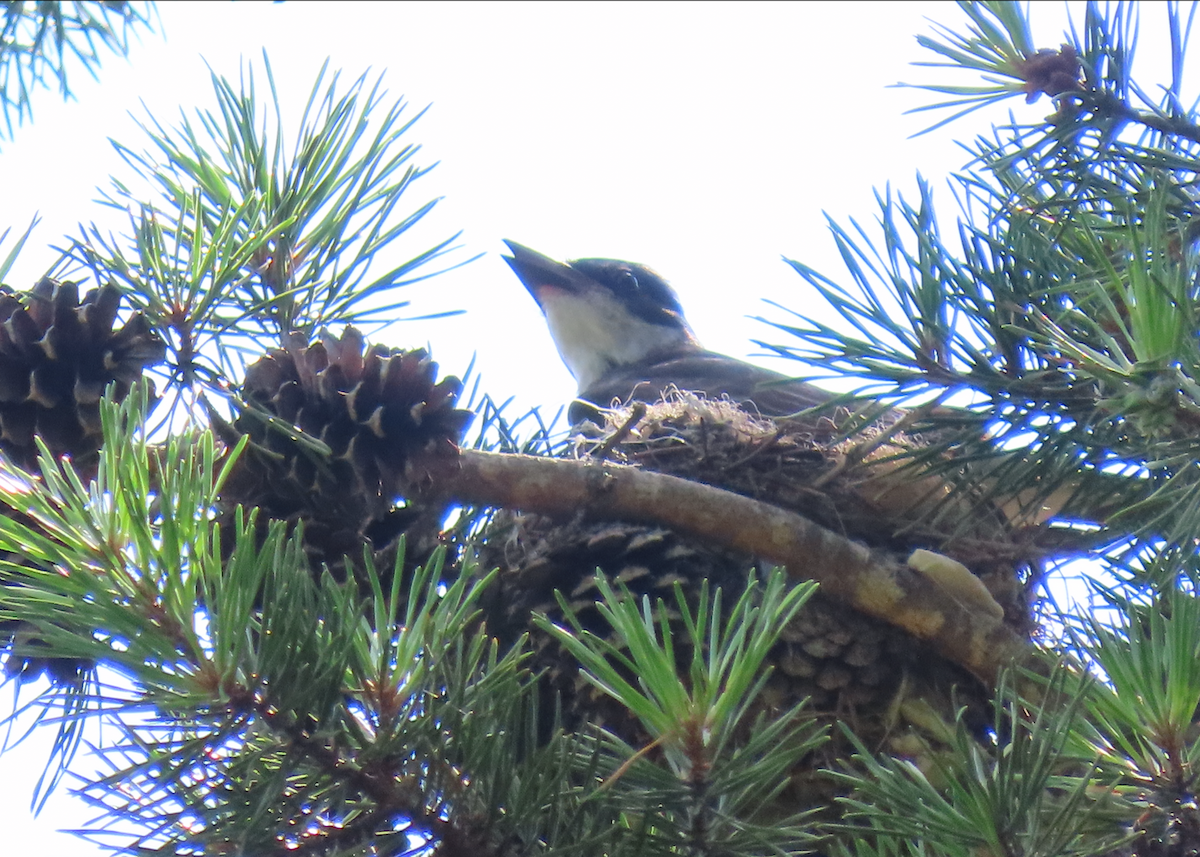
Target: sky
{"points": [[708, 141]]}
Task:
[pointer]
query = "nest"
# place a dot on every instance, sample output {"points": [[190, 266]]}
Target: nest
{"points": [[875, 486]]}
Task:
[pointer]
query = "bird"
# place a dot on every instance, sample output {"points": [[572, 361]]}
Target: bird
{"points": [[621, 331]]}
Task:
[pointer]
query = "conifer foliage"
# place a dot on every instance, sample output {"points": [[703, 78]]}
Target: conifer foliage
{"points": [[258, 553]]}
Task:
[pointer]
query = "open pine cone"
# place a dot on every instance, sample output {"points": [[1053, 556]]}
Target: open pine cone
{"points": [[57, 356], [372, 412]]}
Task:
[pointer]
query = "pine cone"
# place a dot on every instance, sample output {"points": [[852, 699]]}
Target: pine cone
{"points": [[372, 411], [57, 356]]}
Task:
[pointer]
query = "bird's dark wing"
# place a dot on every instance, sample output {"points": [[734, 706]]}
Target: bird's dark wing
{"points": [[713, 375]]}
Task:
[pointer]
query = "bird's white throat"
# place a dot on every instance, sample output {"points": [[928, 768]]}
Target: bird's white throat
{"points": [[595, 333]]}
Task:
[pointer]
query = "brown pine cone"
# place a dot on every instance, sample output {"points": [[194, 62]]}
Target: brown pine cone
{"points": [[370, 412], [57, 356]]}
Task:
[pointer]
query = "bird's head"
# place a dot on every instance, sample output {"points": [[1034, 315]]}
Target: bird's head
{"points": [[604, 314]]}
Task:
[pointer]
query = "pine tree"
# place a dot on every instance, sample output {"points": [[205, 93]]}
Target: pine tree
{"points": [[258, 544]]}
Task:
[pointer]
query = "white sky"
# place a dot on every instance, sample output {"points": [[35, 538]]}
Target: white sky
{"points": [[706, 140]]}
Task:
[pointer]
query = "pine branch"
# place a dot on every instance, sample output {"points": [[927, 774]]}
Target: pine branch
{"points": [[392, 797], [250, 238], [962, 630], [41, 41]]}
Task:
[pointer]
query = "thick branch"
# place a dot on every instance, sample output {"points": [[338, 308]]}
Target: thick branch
{"points": [[870, 582]]}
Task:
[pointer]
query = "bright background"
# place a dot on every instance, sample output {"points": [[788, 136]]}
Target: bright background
{"points": [[706, 140]]}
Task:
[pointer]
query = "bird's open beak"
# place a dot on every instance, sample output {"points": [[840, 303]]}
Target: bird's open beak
{"points": [[540, 272]]}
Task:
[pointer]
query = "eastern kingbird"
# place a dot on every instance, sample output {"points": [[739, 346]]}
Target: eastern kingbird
{"points": [[621, 331]]}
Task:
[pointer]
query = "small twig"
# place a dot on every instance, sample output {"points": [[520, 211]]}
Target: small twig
{"points": [[866, 446], [1108, 102], [636, 411], [759, 448], [628, 763], [391, 800]]}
